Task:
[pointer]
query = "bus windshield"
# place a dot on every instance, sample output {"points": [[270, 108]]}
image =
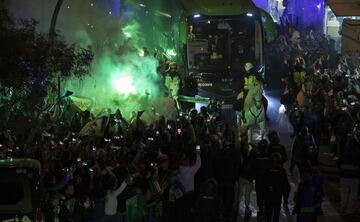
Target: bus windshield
{"points": [[223, 43]]}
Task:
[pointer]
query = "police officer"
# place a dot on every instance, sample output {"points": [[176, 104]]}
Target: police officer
{"points": [[250, 77], [191, 36], [298, 74], [276, 185], [172, 83]]}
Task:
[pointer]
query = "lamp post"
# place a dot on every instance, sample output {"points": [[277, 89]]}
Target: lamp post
{"points": [[51, 40], [54, 19]]}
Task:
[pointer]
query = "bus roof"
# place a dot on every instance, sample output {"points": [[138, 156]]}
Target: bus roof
{"points": [[19, 163], [218, 7]]}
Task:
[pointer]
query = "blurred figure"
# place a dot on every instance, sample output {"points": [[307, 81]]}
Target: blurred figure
{"points": [[261, 164], [207, 203], [303, 150], [187, 172], [276, 147], [112, 193], [227, 167], [244, 184], [172, 83], [341, 123], [307, 199], [298, 74], [349, 164], [276, 185]]}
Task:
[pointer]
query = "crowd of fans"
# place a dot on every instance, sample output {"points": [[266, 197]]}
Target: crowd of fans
{"points": [[321, 98], [195, 168]]}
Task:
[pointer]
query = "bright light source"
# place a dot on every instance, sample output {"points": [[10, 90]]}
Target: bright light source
{"points": [[141, 53], [170, 52], [142, 5], [197, 16], [208, 22], [318, 6], [92, 4], [124, 84], [110, 13], [249, 14], [282, 109]]}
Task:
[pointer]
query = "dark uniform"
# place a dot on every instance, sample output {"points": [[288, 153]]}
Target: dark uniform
{"points": [[278, 148], [261, 164], [306, 200], [276, 185], [303, 152]]}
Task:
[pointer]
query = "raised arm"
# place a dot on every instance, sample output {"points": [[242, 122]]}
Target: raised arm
{"points": [[120, 189]]}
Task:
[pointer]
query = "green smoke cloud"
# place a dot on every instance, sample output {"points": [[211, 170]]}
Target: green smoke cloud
{"points": [[122, 77]]}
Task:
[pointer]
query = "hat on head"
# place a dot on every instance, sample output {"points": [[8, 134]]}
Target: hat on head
{"points": [[248, 66]]}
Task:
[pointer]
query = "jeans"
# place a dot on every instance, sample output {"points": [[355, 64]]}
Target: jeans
{"points": [[349, 194], [243, 188]]}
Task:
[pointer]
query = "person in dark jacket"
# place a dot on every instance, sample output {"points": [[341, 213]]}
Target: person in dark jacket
{"points": [[349, 164], [306, 199], [261, 164], [303, 151], [207, 202], [227, 167], [276, 147], [85, 210], [276, 184], [341, 125], [244, 184]]}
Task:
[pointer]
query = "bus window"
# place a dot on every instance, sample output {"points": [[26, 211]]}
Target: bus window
{"points": [[15, 192], [206, 46], [220, 43]]}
